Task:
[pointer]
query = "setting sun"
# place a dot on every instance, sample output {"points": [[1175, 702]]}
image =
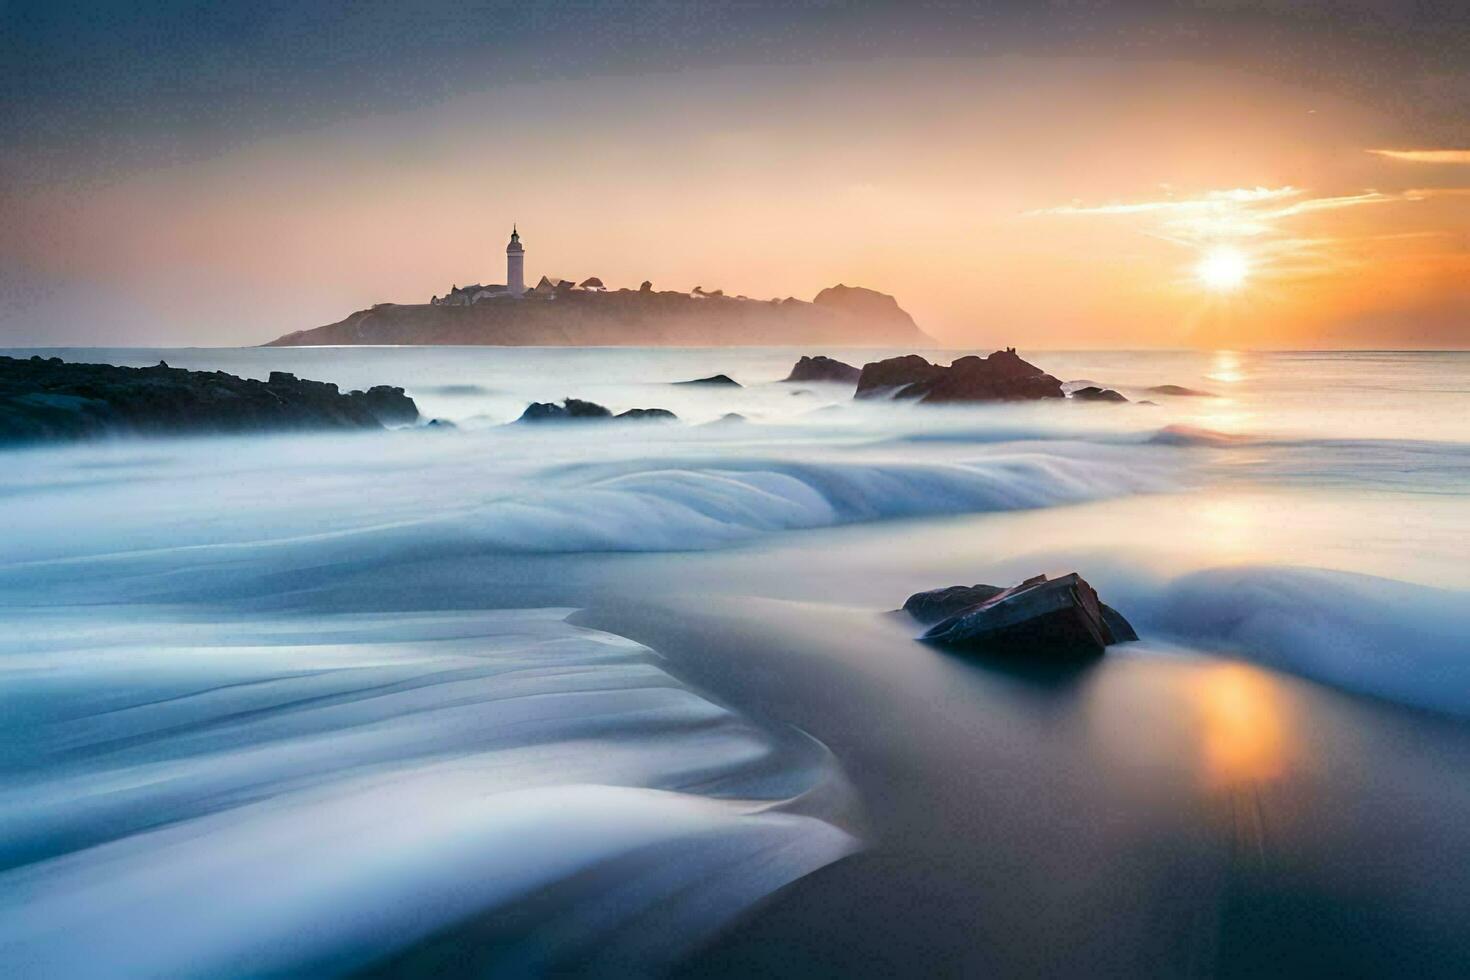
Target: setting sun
{"points": [[1222, 269]]}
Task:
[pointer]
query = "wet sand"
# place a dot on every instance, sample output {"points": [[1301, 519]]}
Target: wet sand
{"points": [[1157, 813]]}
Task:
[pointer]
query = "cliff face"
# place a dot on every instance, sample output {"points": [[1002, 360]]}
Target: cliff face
{"points": [[848, 315]]}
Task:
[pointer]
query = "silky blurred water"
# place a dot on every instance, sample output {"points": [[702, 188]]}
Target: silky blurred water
{"points": [[335, 653]]}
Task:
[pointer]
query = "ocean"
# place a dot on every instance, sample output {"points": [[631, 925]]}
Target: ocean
{"points": [[632, 698]]}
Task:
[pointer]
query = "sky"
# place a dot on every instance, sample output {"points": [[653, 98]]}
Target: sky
{"points": [[1075, 174]]}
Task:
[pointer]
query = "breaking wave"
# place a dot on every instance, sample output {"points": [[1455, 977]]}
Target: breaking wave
{"points": [[1376, 636], [640, 507]]}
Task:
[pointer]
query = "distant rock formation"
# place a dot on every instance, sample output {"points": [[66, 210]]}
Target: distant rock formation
{"points": [[1041, 617], [575, 410], [1003, 376], [560, 314], [714, 379], [823, 368], [44, 399]]}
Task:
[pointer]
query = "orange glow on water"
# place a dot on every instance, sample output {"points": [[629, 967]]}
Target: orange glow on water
{"points": [[1245, 725]]}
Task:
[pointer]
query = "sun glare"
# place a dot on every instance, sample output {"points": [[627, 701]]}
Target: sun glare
{"points": [[1222, 269]]}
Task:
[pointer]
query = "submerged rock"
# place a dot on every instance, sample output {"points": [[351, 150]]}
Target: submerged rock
{"points": [[714, 379], [1060, 617], [1003, 376], [648, 415], [823, 368], [570, 408], [1092, 393], [44, 399], [575, 409], [1180, 391]]}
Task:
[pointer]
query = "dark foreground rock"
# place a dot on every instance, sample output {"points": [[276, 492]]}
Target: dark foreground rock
{"points": [[1092, 393], [575, 409], [1041, 617], [714, 379], [1003, 376], [823, 368], [46, 399]]}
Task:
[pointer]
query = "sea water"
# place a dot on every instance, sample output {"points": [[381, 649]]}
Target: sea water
{"points": [[349, 655]]}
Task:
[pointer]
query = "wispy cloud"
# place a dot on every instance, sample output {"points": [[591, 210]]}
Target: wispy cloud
{"points": [[1221, 200], [1343, 201], [1257, 219], [1241, 203], [1426, 156]]}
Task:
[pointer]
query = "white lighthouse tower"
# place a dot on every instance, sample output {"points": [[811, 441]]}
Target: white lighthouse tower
{"points": [[515, 264]]}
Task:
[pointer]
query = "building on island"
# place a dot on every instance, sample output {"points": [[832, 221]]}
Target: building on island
{"points": [[515, 282], [515, 279], [515, 264]]}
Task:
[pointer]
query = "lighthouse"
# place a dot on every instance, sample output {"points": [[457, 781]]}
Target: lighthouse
{"points": [[515, 264]]}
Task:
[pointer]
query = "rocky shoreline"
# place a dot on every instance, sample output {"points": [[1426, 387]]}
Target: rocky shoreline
{"points": [[48, 399]]}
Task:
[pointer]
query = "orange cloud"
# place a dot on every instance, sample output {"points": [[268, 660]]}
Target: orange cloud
{"points": [[1426, 156]]}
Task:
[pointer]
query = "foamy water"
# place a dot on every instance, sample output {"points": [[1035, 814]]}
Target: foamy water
{"points": [[209, 670]]}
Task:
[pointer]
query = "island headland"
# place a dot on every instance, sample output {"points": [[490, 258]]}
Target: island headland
{"points": [[563, 313]]}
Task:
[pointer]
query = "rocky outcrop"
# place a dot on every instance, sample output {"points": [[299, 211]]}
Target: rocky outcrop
{"points": [[44, 399], [1003, 376], [575, 409], [1041, 617], [714, 379], [390, 406], [561, 317], [823, 368], [1092, 393]]}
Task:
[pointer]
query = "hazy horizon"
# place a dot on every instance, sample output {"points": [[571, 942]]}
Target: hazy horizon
{"points": [[1052, 179]]}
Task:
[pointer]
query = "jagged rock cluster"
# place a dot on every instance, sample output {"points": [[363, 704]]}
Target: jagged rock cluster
{"points": [[1003, 376], [44, 399]]}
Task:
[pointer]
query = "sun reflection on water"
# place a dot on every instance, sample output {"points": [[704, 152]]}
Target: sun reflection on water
{"points": [[1226, 368], [1245, 725]]}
